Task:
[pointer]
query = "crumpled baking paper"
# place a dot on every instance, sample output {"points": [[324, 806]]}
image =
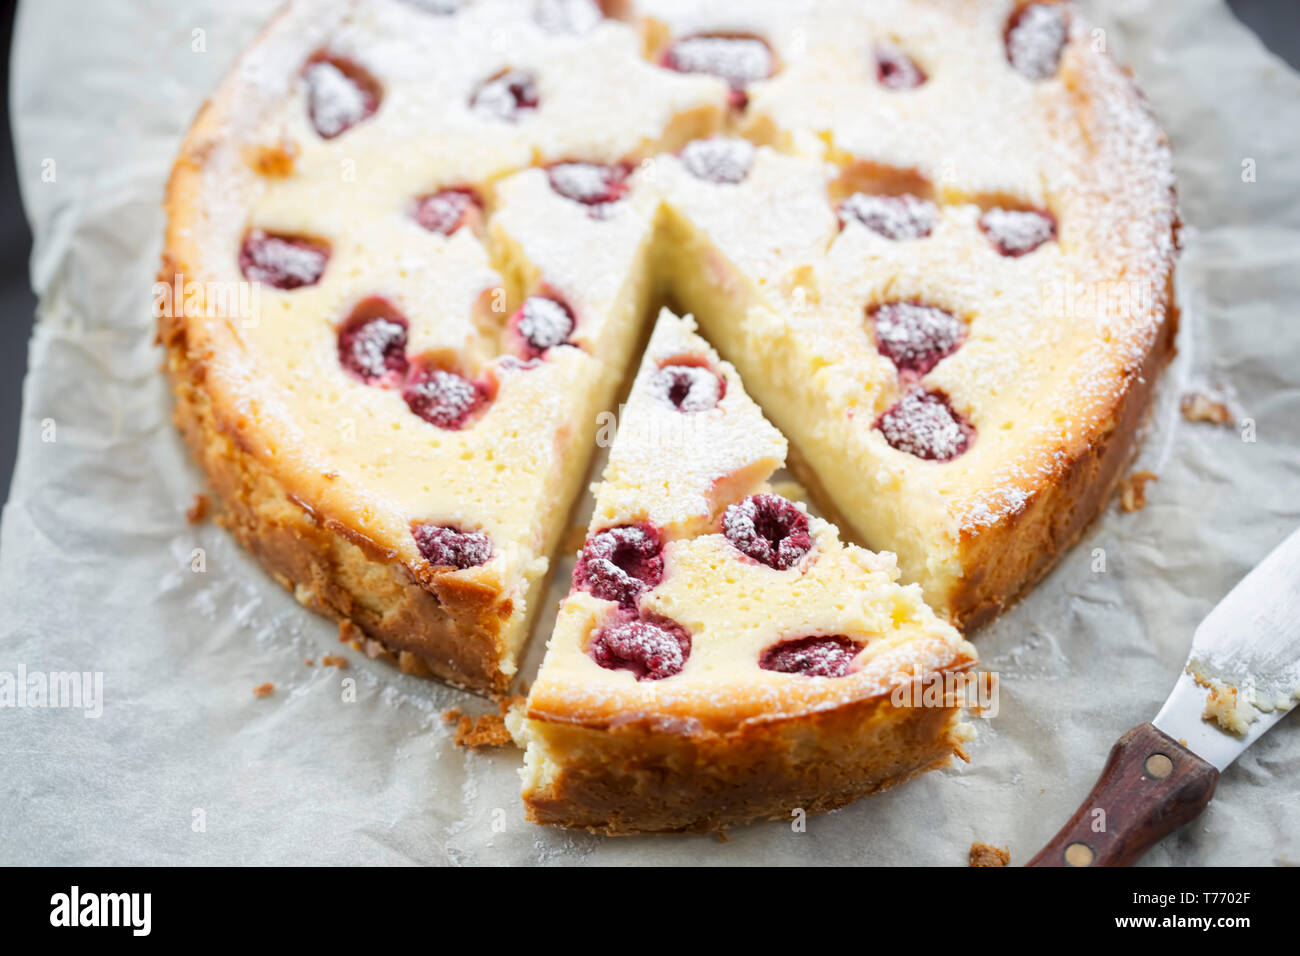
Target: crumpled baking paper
{"points": [[185, 765]]}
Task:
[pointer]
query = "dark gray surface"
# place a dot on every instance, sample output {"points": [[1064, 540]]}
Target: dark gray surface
{"points": [[1276, 21]]}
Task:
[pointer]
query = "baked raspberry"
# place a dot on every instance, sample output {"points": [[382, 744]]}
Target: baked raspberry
{"points": [[620, 564], [769, 529], [542, 323], [443, 398], [1015, 232], [811, 656], [508, 96], [340, 94], [924, 424], [1035, 37], [283, 262], [895, 70], [915, 337], [567, 16], [894, 217], [447, 210], [688, 388], [372, 343], [651, 650], [720, 159], [740, 60], [446, 547], [591, 184]]}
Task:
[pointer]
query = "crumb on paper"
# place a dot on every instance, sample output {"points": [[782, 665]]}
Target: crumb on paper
{"points": [[485, 730], [1232, 711], [263, 690], [334, 660], [309, 662], [198, 510], [1199, 407], [349, 633], [1133, 490], [721, 836], [982, 854]]}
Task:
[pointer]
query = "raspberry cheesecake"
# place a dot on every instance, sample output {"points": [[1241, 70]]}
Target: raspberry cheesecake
{"points": [[722, 655], [936, 238]]}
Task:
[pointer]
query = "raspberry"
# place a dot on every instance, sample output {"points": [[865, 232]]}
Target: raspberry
{"points": [[283, 262], [688, 388], [620, 564], [1035, 37], [443, 398], [340, 94], [446, 211], [542, 323], [894, 217], [915, 337], [769, 529], [811, 656], [446, 547], [895, 70], [924, 424], [720, 159], [1015, 232], [372, 343], [739, 60], [652, 650], [506, 96], [591, 184]]}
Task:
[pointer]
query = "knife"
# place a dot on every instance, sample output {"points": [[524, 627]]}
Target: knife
{"points": [[1246, 657]]}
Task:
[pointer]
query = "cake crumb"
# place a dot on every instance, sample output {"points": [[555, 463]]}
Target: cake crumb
{"points": [[198, 510], [349, 633], [483, 731], [1199, 407], [334, 660], [1224, 706], [721, 836], [309, 662], [981, 854], [263, 690], [1133, 490]]}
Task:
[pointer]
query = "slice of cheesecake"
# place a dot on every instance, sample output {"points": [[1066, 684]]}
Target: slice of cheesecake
{"points": [[722, 655]]}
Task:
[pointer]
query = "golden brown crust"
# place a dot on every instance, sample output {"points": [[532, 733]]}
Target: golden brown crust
{"points": [[634, 778], [1005, 560], [452, 629], [982, 854]]}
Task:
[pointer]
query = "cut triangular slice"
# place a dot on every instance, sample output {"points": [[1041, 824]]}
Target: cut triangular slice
{"points": [[722, 656]]}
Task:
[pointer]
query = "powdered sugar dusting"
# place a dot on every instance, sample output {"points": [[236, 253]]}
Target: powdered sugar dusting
{"points": [[916, 337], [738, 60], [442, 398], [894, 217], [567, 16], [652, 651], [1015, 232], [923, 424], [687, 388], [281, 261], [544, 323], [721, 159], [335, 100], [1035, 40], [811, 656]]}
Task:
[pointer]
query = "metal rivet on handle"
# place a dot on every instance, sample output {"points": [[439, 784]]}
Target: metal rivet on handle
{"points": [[1079, 854], [1158, 766]]}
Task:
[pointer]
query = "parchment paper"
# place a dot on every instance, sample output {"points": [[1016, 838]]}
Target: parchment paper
{"points": [[185, 766]]}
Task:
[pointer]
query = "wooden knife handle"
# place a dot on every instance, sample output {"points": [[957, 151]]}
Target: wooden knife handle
{"points": [[1151, 785]]}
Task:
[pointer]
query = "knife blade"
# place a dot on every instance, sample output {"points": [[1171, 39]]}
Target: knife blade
{"points": [[1242, 677]]}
